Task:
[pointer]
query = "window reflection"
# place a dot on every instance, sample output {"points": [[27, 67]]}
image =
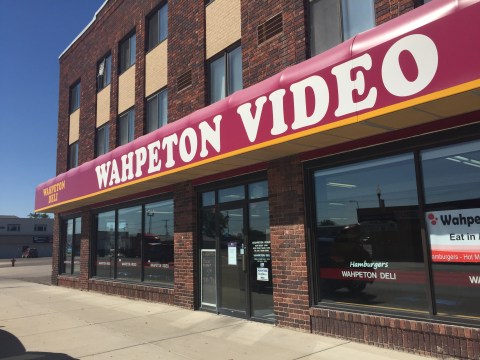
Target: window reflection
{"points": [[128, 250], [452, 192], [368, 243], [158, 242]]}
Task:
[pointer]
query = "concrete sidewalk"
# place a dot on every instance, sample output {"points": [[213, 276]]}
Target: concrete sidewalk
{"points": [[48, 322]]}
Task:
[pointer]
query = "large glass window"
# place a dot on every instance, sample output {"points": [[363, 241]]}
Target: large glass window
{"points": [[157, 111], [102, 140], [226, 74], [105, 244], [127, 53], [368, 246], [158, 27], [104, 72], [136, 243], [158, 242], [126, 127], [74, 97], [129, 259], [73, 155], [452, 194], [71, 247], [334, 21]]}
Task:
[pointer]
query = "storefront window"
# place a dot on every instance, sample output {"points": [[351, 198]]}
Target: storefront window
{"points": [[105, 244], [71, 247], [452, 193], [158, 242], [136, 243], [368, 247], [129, 259]]}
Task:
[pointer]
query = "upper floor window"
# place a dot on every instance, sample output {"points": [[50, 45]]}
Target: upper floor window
{"points": [[158, 27], [226, 74], [102, 140], [126, 127], [157, 111], [73, 155], [104, 72], [13, 227], [40, 227], [127, 52], [74, 97], [334, 21]]}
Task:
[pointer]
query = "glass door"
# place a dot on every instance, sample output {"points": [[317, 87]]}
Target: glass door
{"points": [[233, 267], [235, 263]]}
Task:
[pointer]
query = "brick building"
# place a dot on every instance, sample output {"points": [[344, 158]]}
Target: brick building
{"points": [[313, 164]]}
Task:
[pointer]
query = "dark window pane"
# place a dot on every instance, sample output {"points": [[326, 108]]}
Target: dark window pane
{"points": [[163, 104], [231, 194], [357, 16], [325, 25], [163, 22], [217, 80], [127, 127], [368, 241], [127, 53], [158, 242], [235, 70], [74, 97], [129, 259], [208, 198], [152, 114], [258, 190], [76, 246], [103, 135], [108, 71], [451, 179], [73, 155], [105, 246], [67, 256], [153, 31]]}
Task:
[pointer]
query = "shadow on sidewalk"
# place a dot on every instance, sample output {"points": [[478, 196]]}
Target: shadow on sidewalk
{"points": [[12, 349]]}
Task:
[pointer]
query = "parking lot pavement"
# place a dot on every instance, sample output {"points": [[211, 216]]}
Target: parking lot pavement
{"points": [[50, 322], [37, 270]]}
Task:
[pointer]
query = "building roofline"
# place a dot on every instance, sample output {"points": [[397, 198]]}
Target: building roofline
{"points": [[84, 30]]}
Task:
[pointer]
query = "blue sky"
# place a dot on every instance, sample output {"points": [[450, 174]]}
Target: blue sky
{"points": [[33, 33]]}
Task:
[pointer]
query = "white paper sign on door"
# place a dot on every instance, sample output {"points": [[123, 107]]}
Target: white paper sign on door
{"points": [[232, 253]]}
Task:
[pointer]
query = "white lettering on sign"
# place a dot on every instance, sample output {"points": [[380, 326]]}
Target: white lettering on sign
{"points": [[311, 103], [425, 54], [474, 279]]}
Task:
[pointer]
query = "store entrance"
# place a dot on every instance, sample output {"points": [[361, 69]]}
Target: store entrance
{"points": [[235, 264]]}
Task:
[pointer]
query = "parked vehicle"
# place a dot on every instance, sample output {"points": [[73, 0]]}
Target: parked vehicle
{"points": [[30, 253]]}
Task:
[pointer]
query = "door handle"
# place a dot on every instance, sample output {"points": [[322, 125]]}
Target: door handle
{"points": [[244, 261]]}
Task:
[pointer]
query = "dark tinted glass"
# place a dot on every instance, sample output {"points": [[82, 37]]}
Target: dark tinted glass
{"points": [[129, 258], [452, 177], [158, 242], [68, 251], [76, 246], [105, 244], [368, 242]]}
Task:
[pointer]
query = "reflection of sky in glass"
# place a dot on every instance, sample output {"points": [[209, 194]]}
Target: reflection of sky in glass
{"points": [[159, 218], [130, 220], [452, 173], [343, 190]]}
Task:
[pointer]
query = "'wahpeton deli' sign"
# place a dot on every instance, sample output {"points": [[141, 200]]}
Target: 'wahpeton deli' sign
{"points": [[423, 56]]}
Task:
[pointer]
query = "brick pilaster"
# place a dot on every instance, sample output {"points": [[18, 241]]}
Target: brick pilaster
{"points": [[185, 244], [287, 233]]}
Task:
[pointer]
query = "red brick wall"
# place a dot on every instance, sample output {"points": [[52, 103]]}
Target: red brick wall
{"points": [[85, 238], [113, 23], [186, 52], [288, 246], [185, 244], [386, 10], [424, 338], [283, 50], [56, 250]]}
